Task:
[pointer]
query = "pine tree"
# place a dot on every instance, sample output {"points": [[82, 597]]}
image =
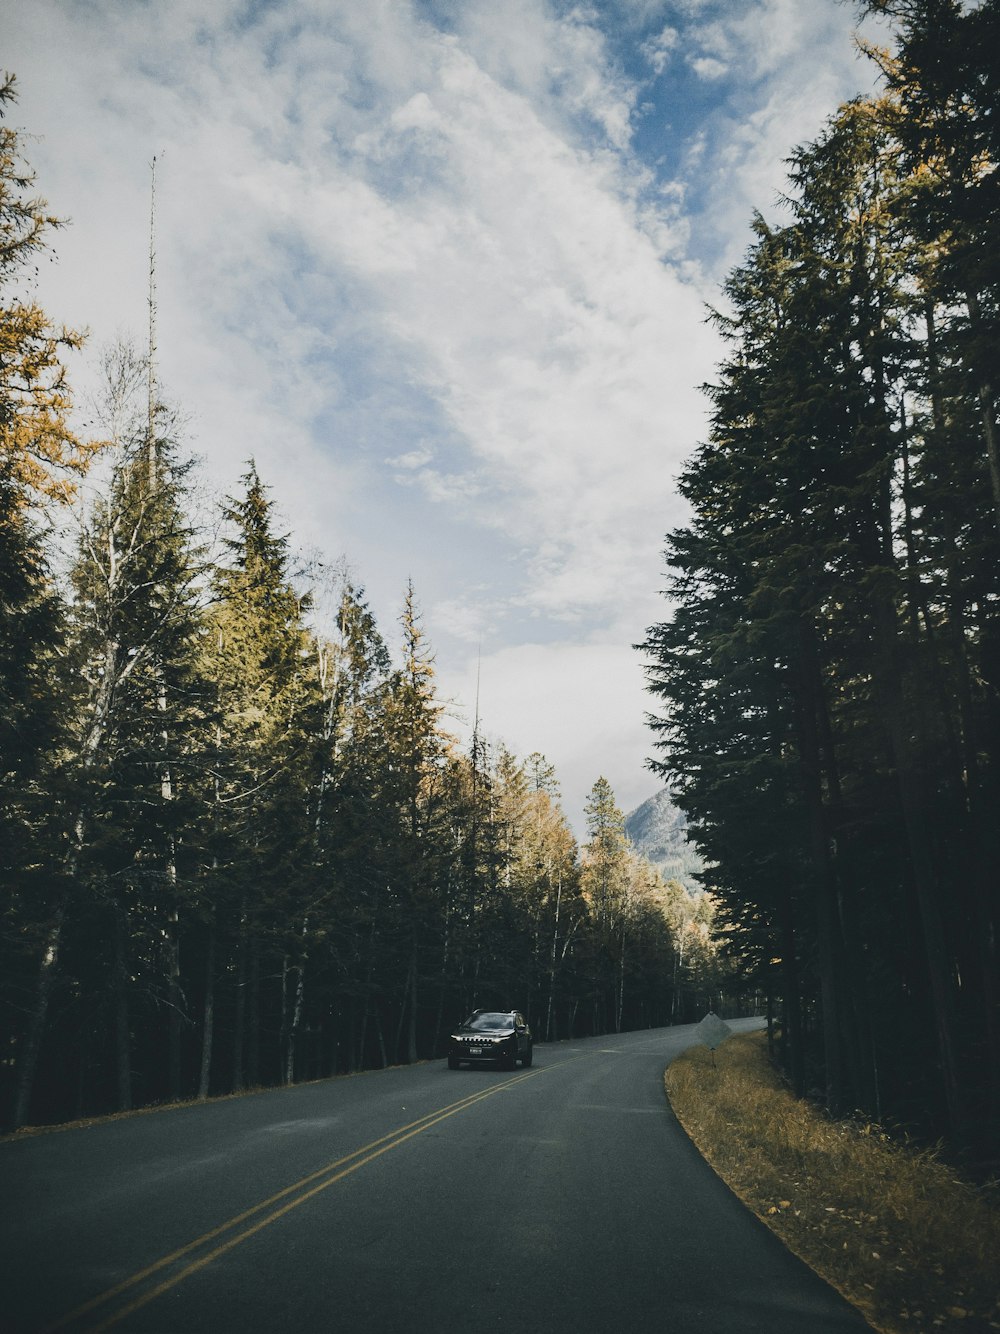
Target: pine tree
{"points": [[31, 640], [551, 879], [605, 883], [39, 454], [358, 820], [257, 651], [943, 80], [817, 661], [133, 633], [415, 788]]}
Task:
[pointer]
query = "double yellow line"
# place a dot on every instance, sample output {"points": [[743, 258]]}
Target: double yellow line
{"points": [[140, 1289]]}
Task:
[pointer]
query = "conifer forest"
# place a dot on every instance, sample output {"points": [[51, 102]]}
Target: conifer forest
{"points": [[239, 846], [830, 672]]}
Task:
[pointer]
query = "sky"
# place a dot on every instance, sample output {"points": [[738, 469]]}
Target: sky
{"points": [[441, 268]]}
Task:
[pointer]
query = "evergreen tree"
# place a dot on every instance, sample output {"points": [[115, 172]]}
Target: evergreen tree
{"points": [[357, 821], [39, 456], [818, 661], [256, 654], [414, 785], [605, 883], [133, 630], [31, 637], [549, 890]]}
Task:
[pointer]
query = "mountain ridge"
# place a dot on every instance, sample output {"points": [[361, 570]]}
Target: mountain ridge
{"points": [[658, 832]]}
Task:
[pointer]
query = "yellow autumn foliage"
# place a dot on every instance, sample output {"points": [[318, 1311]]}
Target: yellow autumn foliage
{"points": [[39, 453]]}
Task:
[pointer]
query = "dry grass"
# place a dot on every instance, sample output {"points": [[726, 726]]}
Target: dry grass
{"points": [[889, 1226]]}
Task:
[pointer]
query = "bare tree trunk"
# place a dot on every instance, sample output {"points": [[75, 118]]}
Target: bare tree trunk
{"points": [[445, 954], [411, 1045], [208, 1025], [294, 1021], [676, 1008], [123, 1036], [239, 1009], [173, 961], [175, 1011], [334, 1045], [293, 1032], [283, 1028], [792, 1035], [363, 1034], [253, 1024], [352, 1035], [836, 1030], [397, 1046], [31, 1047], [985, 392], [552, 960], [621, 981], [381, 1037]]}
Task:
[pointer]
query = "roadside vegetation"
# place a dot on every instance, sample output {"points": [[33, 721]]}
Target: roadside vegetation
{"points": [[890, 1225], [828, 673], [239, 846]]}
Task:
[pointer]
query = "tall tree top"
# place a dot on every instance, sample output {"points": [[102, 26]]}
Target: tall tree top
{"points": [[24, 220], [260, 556], [542, 774], [605, 822], [38, 451], [418, 659]]}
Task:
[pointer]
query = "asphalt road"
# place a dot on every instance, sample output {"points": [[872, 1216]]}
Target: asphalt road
{"points": [[562, 1199]]}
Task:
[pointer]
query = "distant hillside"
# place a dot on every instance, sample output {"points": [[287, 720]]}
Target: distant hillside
{"points": [[659, 832]]}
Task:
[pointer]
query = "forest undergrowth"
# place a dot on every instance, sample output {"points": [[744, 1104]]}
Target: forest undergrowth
{"points": [[889, 1225]]}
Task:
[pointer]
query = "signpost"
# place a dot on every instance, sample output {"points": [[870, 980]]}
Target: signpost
{"points": [[713, 1031]]}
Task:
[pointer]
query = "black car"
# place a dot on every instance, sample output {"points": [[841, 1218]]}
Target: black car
{"points": [[491, 1035]]}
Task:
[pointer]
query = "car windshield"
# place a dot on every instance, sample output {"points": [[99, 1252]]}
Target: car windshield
{"points": [[487, 1021]]}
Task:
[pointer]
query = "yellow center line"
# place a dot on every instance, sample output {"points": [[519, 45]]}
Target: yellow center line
{"points": [[349, 1163]]}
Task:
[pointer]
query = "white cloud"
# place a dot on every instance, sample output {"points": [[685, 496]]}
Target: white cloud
{"points": [[402, 265], [581, 705], [782, 68], [658, 49], [535, 310], [559, 65], [412, 461], [708, 67]]}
